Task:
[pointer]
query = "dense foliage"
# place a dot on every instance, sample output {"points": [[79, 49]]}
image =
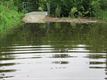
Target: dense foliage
{"points": [[72, 8], [62, 8], [9, 15]]}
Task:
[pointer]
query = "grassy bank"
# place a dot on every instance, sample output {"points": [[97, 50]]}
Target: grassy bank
{"points": [[9, 18]]}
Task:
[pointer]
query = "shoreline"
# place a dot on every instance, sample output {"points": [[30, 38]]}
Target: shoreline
{"points": [[70, 20], [42, 17], [46, 19]]}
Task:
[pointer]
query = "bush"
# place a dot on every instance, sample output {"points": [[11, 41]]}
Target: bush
{"points": [[9, 17]]}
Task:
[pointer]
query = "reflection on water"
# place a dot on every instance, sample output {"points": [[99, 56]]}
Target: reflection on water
{"points": [[55, 51]]}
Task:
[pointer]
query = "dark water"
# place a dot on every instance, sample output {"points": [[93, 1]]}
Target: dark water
{"points": [[55, 51]]}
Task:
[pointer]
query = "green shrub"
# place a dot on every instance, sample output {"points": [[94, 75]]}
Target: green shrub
{"points": [[8, 18]]}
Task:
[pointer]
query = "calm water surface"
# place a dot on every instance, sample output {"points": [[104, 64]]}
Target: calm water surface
{"points": [[55, 51]]}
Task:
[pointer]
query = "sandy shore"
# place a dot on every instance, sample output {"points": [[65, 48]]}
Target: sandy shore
{"points": [[41, 17], [70, 20]]}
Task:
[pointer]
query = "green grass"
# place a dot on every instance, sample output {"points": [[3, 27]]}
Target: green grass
{"points": [[9, 18]]}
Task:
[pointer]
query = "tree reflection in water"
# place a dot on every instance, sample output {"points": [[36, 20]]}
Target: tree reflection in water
{"points": [[63, 46]]}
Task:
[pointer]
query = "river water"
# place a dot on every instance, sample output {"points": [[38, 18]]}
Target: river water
{"points": [[54, 51]]}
